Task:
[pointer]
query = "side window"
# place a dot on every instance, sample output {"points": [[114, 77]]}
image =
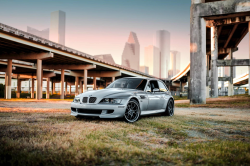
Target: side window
{"points": [[162, 88], [154, 85], [148, 88]]}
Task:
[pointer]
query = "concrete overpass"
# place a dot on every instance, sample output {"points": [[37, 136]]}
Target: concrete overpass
{"points": [[38, 58], [216, 29], [180, 79]]}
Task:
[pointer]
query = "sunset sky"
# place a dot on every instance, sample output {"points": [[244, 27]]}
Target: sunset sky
{"points": [[103, 26]]}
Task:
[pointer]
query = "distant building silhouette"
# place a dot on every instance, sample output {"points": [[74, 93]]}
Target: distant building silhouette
{"points": [[57, 27], [174, 63], [43, 33], [131, 52], [106, 57], [144, 69], [152, 60], [162, 41]]}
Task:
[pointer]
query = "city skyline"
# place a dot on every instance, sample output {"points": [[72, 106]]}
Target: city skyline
{"points": [[106, 30]]}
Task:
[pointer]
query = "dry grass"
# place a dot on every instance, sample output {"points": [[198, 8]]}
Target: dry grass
{"points": [[238, 101], [54, 137]]}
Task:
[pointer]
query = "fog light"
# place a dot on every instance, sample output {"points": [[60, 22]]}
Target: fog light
{"points": [[104, 111]]}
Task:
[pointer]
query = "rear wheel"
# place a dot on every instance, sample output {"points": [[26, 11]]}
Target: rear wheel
{"points": [[170, 108], [132, 112]]}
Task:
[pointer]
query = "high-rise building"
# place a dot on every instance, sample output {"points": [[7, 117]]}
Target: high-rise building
{"points": [[152, 60], [106, 57], [57, 27], [162, 41], [174, 63], [131, 52], [144, 69], [43, 33]]}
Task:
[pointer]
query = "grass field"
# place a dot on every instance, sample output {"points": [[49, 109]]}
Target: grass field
{"points": [[237, 101], [56, 138]]}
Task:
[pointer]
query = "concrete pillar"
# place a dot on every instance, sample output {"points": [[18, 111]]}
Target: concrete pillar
{"points": [[197, 58], [47, 88], [69, 89], [94, 83], [76, 85], [8, 80], [18, 91], [66, 88], [181, 86], [5, 80], [62, 84], [113, 79], [230, 83], [54, 88], [207, 75], [32, 88], [214, 57], [38, 79], [188, 78], [249, 58], [85, 80], [29, 86], [81, 87], [42, 84]]}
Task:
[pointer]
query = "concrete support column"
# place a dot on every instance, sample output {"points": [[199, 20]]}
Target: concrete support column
{"points": [[18, 91], [188, 78], [85, 80], [47, 88], [76, 85], [62, 84], [81, 87], [54, 88], [113, 79], [207, 75], [249, 58], [214, 57], [94, 83], [197, 58], [42, 84], [32, 88], [230, 83], [5, 80], [38, 79], [181, 86], [70, 89], [8, 80], [66, 88]]}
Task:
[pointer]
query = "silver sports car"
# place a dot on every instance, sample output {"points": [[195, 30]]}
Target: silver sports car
{"points": [[127, 98]]}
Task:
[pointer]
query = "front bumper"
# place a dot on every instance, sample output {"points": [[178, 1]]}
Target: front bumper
{"points": [[98, 110]]}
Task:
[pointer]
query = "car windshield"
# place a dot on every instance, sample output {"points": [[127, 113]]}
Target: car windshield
{"points": [[129, 83]]}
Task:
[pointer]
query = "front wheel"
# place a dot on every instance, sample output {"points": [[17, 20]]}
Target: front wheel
{"points": [[170, 108], [132, 112]]}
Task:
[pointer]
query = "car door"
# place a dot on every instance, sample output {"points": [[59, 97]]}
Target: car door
{"points": [[164, 95], [153, 97]]}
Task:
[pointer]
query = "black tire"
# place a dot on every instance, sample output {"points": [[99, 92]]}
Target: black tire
{"points": [[132, 112], [170, 108]]}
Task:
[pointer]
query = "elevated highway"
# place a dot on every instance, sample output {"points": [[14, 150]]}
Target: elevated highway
{"points": [[38, 58]]}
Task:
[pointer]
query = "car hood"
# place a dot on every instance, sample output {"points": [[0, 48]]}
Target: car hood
{"points": [[100, 94]]}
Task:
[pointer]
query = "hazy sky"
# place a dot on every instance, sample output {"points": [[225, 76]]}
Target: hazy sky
{"points": [[103, 26]]}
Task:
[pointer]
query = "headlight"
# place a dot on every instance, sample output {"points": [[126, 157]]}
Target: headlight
{"points": [[77, 100], [110, 101]]}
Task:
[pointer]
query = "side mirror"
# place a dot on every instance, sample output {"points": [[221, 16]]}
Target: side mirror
{"points": [[156, 90]]}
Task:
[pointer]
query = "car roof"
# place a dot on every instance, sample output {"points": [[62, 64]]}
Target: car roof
{"points": [[141, 78]]}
